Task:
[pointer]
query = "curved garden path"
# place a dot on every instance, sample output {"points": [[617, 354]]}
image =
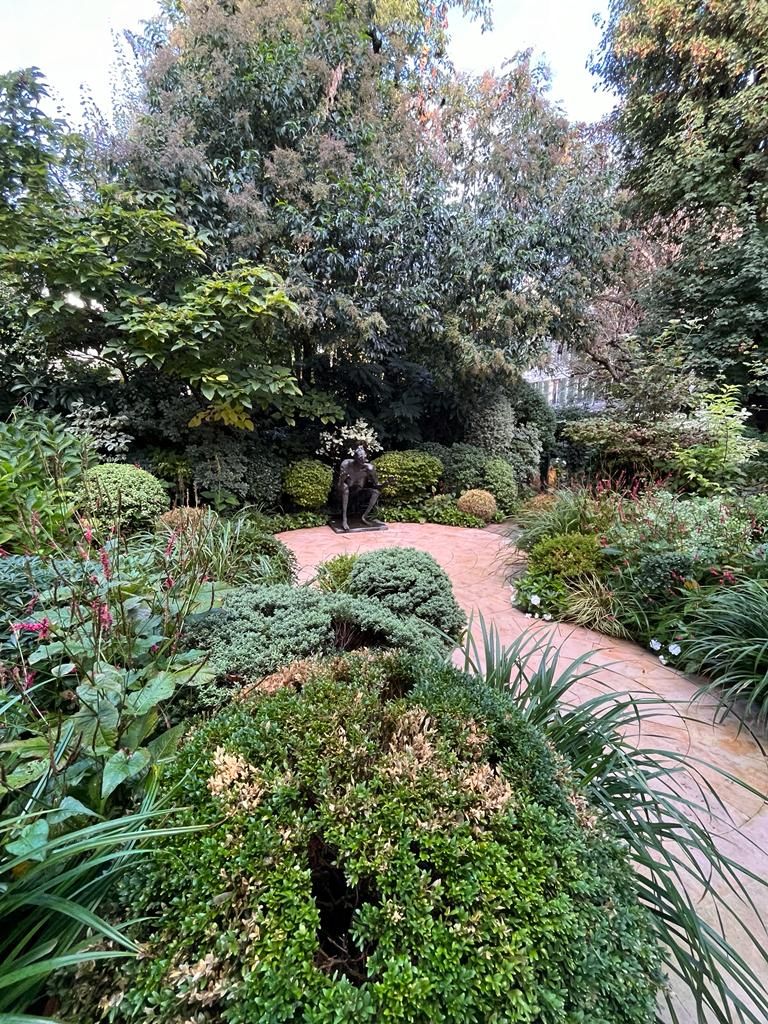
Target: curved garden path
{"points": [[474, 560]]}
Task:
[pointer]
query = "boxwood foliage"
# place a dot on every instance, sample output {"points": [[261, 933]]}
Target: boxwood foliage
{"points": [[409, 582], [260, 629], [407, 476], [377, 855], [119, 495]]}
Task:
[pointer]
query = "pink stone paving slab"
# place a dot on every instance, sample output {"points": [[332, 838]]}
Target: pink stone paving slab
{"points": [[475, 562]]}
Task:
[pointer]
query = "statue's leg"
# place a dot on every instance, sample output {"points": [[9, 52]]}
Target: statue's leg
{"points": [[371, 504], [344, 507]]}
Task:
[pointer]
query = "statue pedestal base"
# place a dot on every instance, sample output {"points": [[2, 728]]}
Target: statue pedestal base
{"points": [[356, 525]]}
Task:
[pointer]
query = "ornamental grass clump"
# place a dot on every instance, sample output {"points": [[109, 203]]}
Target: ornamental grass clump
{"points": [[385, 842]]}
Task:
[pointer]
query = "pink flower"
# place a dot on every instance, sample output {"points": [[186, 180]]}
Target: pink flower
{"points": [[169, 582], [171, 543], [88, 533], [105, 564], [29, 678], [103, 615], [41, 628]]}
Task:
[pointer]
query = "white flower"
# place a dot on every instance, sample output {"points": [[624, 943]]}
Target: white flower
{"points": [[662, 659], [547, 617], [528, 615], [537, 616], [535, 600], [674, 649], [655, 645]]}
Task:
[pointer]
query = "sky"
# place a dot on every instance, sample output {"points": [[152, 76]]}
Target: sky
{"points": [[71, 41]]}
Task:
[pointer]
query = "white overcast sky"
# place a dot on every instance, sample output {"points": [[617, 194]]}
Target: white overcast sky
{"points": [[71, 41]]}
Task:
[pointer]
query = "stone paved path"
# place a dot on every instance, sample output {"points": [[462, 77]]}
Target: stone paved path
{"points": [[474, 560]]}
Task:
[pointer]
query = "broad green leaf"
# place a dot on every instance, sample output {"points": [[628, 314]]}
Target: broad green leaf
{"points": [[121, 767]]}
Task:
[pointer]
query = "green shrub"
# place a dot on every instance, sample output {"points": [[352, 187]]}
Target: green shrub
{"points": [[492, 427], [260, 629], [663, 576], [541, 594], [409, 582], [334, 574], [441, 509], [710, 530], [125, 497], [756, 509], [479, 503], [286, 521], [374, 857], [499, 478], [448, 513], [308, 483], [463, 465], [41, 465], [566, 555], [408, 475], [264, 476]]}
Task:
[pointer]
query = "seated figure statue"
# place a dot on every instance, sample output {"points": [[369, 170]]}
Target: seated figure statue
{"points": [[358, 477]]}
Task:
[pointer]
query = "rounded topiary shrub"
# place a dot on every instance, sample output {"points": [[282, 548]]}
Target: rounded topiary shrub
{"points": [[409, 582], [408, 476], [479, 503], [308, 483], [368, 855], [121, 496], [566, 555]]}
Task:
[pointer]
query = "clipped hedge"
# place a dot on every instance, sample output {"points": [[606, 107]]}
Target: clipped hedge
{"points": [[407, 476], [409, 583], [308, 483], [122, 496], [372, 854]]}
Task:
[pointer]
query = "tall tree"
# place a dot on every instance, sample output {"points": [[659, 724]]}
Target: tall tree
{"points": [[693, 124], [429, 228]]}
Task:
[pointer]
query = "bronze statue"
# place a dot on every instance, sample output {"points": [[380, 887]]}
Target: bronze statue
{"points": [[357, 476]]}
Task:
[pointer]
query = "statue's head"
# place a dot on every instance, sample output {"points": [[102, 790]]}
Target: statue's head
{"points": [[360, 455]]}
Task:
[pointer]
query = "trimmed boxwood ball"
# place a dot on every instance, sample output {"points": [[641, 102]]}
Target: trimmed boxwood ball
{"points": [[479, 503], [308, 483], [407, 476], [260, 629], [566, 555], [372, 855], [408, 582], [120, 495]]}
